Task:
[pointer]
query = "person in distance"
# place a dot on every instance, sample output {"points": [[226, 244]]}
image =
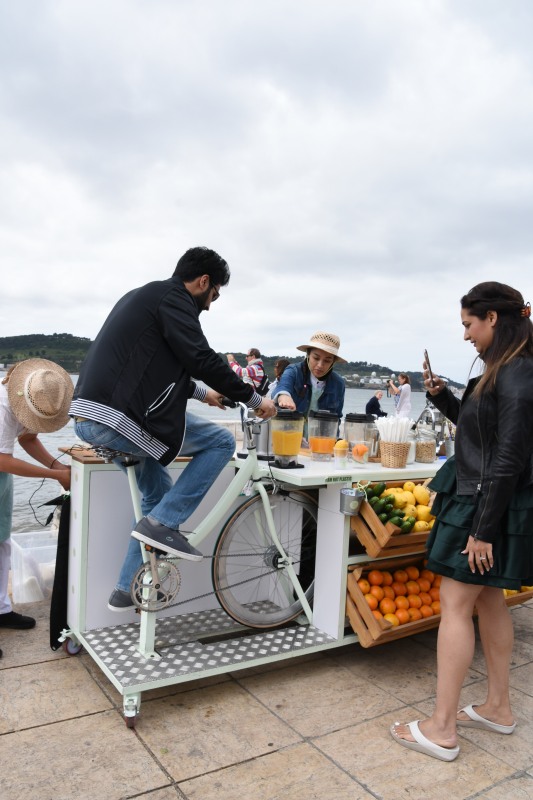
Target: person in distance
{"points": [[374, 407], [253, 372], [279, 368], [402, 395]]}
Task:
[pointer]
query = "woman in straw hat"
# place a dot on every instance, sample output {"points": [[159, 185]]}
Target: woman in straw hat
{"points": [[311, 384], [35, 397]]}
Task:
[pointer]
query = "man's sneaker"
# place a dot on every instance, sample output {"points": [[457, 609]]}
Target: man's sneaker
{"points": [[120, 601], [16, 621], [158, 536]]}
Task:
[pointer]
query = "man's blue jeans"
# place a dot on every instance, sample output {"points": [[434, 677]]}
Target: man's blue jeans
{"points": [[211, 447]]}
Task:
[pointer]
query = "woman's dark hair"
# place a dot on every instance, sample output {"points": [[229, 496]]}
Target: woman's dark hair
{"points": [[281, 365], [513, 331], [200, 261], [405, 376]]}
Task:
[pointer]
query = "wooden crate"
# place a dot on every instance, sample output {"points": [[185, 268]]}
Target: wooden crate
{"points": [[520, 597], [371, 631], [384, 540]]}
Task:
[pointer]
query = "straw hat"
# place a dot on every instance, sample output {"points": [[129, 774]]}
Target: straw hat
{"points": [[324, 341], [40, 393]]}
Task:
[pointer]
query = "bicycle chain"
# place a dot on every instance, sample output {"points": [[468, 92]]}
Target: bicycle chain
{"points": [[208, 594]]}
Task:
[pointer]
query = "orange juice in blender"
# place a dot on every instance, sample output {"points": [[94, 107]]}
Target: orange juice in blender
{"points": [[287, 430], [322, 429]]}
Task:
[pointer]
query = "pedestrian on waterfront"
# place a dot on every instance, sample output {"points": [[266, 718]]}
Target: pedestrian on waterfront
{"points": [[374, 407], [254, 371], [311, 384], [132, 395], [482, 539], [402, 395], [279, 368], [34, 398]]}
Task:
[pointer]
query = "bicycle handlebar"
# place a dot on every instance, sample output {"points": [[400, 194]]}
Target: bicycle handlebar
{"points": [[244, 410]]}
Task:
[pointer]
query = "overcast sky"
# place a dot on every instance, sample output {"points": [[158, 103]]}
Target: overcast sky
{"points": [[360, 165]]}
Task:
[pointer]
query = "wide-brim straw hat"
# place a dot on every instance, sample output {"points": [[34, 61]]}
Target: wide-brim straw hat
{"points": [[324, 341], [40, 393]]}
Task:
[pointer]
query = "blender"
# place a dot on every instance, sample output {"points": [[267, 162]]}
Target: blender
{"points": [[361, 428], [323, 428], [287, 430]]}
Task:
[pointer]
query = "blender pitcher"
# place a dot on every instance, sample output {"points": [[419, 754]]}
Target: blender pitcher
{"points": [[322, 434], [287, 431], [361, 428]]}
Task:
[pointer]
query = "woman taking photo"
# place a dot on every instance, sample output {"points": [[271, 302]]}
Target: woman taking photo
{"points": [[482, 539], [402, 395]]}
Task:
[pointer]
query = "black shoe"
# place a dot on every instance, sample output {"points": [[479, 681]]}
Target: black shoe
{"points": [[1, 654], [16, 621], [167, 540], [121, 601]]}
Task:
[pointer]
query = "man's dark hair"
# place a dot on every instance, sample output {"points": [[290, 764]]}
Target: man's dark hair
{"points": [[200, 261], [253, 351]]}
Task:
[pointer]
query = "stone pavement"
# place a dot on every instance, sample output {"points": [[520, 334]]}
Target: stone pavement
{"points": [[310, 727]]}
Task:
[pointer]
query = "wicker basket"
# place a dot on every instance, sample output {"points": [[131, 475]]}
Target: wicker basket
{"points": [[394, 454]]}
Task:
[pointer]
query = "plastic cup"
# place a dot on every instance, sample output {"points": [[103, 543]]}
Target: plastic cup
{"points": [[361, 451]]}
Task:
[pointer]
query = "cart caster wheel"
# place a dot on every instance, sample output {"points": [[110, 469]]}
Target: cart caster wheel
{"points": [[130, 721], [72, 648]]}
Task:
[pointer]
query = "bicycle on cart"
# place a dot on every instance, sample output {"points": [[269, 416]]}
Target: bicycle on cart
{"points": [[263, 562]]}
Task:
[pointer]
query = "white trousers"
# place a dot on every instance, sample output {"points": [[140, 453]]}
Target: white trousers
{"points": [[5, 564]]}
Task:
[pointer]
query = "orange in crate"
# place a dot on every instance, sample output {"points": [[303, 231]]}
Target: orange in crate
{"points": [[375, 577]]}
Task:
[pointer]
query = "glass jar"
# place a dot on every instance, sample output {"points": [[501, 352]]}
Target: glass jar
{"points": [[426, 446]]}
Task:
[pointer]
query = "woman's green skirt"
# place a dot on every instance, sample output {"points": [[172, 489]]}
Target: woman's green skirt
{"points": [[512, 551]]}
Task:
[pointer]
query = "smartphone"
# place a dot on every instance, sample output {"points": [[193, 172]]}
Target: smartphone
{"points": [[428, 367]]}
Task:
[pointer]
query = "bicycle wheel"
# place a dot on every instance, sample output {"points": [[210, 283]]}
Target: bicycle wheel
{"points": [[251, 584]]}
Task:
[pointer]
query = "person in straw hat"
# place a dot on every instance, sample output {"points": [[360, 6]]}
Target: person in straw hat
{"points": [[35, 396], [311, 384]]}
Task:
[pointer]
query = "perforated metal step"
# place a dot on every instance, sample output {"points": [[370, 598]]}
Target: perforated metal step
{"points": [[191, 645]]}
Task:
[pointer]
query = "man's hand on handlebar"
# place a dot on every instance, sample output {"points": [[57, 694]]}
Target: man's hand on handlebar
{"points": [[267, 409], [213, 398]]}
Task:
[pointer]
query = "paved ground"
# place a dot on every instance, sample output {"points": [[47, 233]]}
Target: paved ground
{"points": [[314, 727]]}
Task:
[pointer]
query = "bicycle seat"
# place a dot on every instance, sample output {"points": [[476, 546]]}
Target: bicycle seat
{"points": [[108, 455]]}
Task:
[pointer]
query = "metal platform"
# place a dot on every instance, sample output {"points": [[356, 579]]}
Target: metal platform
{"points": [[193, 646]]}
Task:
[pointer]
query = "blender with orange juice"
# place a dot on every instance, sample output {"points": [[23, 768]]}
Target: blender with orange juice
{"points": [[287, 430], [323, 428]]}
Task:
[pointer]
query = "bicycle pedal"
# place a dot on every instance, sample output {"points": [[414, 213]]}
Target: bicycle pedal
{"points": [[155, 551]]}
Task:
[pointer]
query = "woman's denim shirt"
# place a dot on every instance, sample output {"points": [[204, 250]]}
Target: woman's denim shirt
{"points": [[296, 380]]}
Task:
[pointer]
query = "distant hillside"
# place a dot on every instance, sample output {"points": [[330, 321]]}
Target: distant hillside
{"points": [[63, 348], [69, 351]]}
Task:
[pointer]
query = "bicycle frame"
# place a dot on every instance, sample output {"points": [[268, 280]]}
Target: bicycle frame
{"points": [[252, 470]]}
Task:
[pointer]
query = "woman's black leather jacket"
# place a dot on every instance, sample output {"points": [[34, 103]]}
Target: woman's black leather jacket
{"points": [[494, 442]]}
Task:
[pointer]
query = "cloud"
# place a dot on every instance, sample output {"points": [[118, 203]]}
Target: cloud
{"points": [[360, 166]]}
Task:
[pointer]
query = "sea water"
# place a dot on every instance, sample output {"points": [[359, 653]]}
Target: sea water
{"points": [[29, 514]]}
